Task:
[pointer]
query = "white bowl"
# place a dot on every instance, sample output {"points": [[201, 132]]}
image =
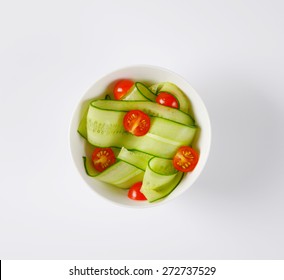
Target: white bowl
{"points": [[141, 73]]}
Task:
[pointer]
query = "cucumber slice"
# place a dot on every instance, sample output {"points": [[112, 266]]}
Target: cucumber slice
{"points": [[145, 91], [154, 195], [150, 108], [134, 95], [136, 158], [160, 179], [89, 167], [82, 129], [140, 92], [175, 91], [156, 88], [120, 174], [105, 129], [158, 173]]}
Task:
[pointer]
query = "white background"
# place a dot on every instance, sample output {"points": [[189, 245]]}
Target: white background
{"points": [[231, 52]]}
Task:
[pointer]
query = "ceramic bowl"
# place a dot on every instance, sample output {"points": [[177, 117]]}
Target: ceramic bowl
{"points": [[151, 74]]}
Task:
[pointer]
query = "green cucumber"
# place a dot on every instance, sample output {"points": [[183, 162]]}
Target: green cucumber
{"points": [[150, 108], [105, 129], [89, 167], [82, 129], [155, 88], [120, 174], [154, 195], [160, 178], [145, 91], [140, 92], [134, 94], [136, 158], [159, 172], [175, 91]]}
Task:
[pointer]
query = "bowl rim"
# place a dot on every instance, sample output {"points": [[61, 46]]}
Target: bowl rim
{"points": [[129, 67]]}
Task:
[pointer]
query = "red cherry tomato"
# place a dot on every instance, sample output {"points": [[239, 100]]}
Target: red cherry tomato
{"points": [[136, 122], [103, 158], [185, 159], [167, 99], [121, 88], [134, 192]]}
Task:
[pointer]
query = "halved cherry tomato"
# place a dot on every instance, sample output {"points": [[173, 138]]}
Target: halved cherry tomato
{"points": [[136, 122], [185, 159], [103, 158], [167, 99], [121, 88], [134, 192]]}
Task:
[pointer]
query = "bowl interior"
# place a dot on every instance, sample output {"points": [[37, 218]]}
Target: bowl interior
{"points": [[152, 75]]}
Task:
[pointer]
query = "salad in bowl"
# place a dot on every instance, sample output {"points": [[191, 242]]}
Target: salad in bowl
{"points": [[140, 137]]}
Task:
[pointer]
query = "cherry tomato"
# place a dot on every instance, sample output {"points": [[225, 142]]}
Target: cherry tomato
{"points": [[185, 159], [121, 88], [136, 122], [134, 192], [103, 158], [167, 99]]}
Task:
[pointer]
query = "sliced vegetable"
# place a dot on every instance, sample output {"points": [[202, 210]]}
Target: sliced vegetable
{"points": [[153, 195], [121, 88], [82, 129], [145, 91], [160, 179], [105, 129], [184, 104], [185, 159], [120, 174], [167, 99], [150, 108], [103, 158], [137, 122], [90, 168], [136, 158], [134, 192]]}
